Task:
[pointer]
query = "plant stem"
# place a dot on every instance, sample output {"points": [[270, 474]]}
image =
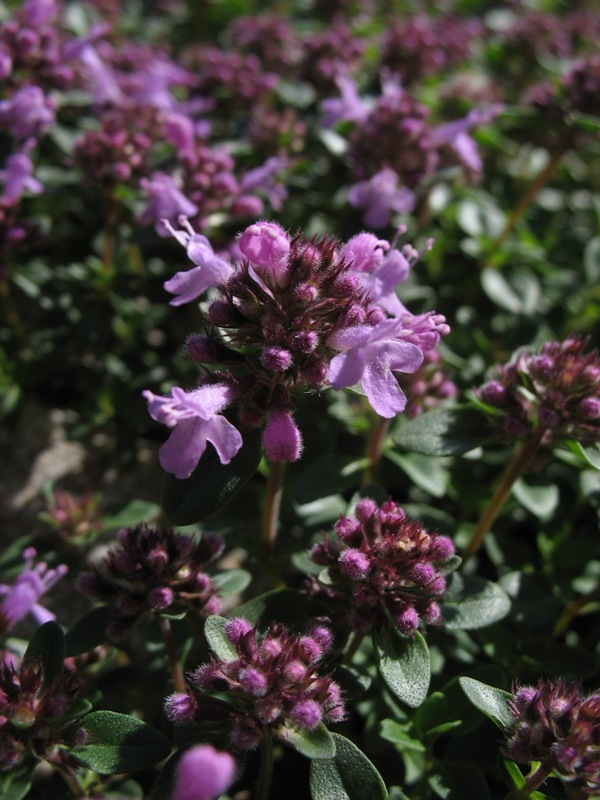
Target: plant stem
{"points": [[529, 196], [272, 506], [522, 457], [353, 648], [535, 778], [375, 448], [573, 609], [174, 665], [265, 774]]}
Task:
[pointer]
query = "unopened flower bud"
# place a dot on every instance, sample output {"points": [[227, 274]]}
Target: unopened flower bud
{"points": [[281, 438], [354, 564]]}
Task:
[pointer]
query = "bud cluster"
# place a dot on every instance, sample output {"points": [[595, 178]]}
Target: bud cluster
{"points": [[558, 726], [152, 571], [554, 391], [382, 564], [271, 683], [34, 723], [429, 386], [73, 519]]}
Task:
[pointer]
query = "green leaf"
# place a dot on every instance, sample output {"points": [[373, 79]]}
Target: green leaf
{"points": [[231, 581], [119, 743], [214, 630], [444, 431], [493, 702], [348, 776], [15, 784], [47, 647], [132, 514], [89, 631], [211, 484], [587, 122], [589, 454], [317, 743], [427, 473], [511, 774], [541, 500], [404, 664], [396, 733], [473, 602], [328, 475]]}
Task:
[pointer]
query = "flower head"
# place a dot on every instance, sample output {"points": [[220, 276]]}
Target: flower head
{"points": [[271, 683], [383, 565], [150, 571], [558, 726], [554, 391]]}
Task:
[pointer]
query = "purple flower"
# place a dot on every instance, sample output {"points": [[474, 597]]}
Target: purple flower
{"points": [[350, 107], [203, 774], [18, 177], [381, 196], [28, 113], [455, 136], [263, 177], [196, 419], [22, 597], [210, 270], [165, 201], [267, 246], [370, 357]]}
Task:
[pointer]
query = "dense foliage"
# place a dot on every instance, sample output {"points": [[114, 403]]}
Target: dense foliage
{"points": [[348, 254]]}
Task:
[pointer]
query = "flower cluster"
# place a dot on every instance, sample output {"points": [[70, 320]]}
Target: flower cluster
{"points": [[558, 726], [22, 596], [554, 392], [418, 46], [383, 565], [34, 723], [270, 682], [73, 519], [293, 315], [150, 571]]}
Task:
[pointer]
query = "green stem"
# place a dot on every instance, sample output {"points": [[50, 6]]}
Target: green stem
{"points": [[535, 779], [271, 510], [522, 457], [573, 609], [70, 779], [265, 774], [529, 196], [174, 665], [375, 448], [353, 648]]}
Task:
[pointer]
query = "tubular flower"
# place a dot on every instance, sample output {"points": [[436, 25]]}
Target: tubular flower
{"points": [[558, 726], [381, 565], [22, 596], [196, 419], [271, 683], [554, 391], [150, 571]]}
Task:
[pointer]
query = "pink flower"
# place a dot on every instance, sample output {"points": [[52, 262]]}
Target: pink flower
{"points": [[22, 597], [203, 774], [196, 419], [267, 246], [370, 357], [381, 196]]}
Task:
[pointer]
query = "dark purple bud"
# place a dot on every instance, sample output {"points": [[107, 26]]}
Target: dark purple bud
{"points": [[493, 393], [181, 707], [407, 621], [365, 509], [254, 682], [589, 408], [307, 714], [160, 598], [236, 628], [277, 359], [281, 438]]}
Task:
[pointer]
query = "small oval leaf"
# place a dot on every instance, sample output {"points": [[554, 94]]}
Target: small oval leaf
{"points": [[119, 743], [494, 703], [348, 776], [404, 664], [317, 743], [88, 632], [444, 431], [214, 630], [473, 602], [47, 647]]}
